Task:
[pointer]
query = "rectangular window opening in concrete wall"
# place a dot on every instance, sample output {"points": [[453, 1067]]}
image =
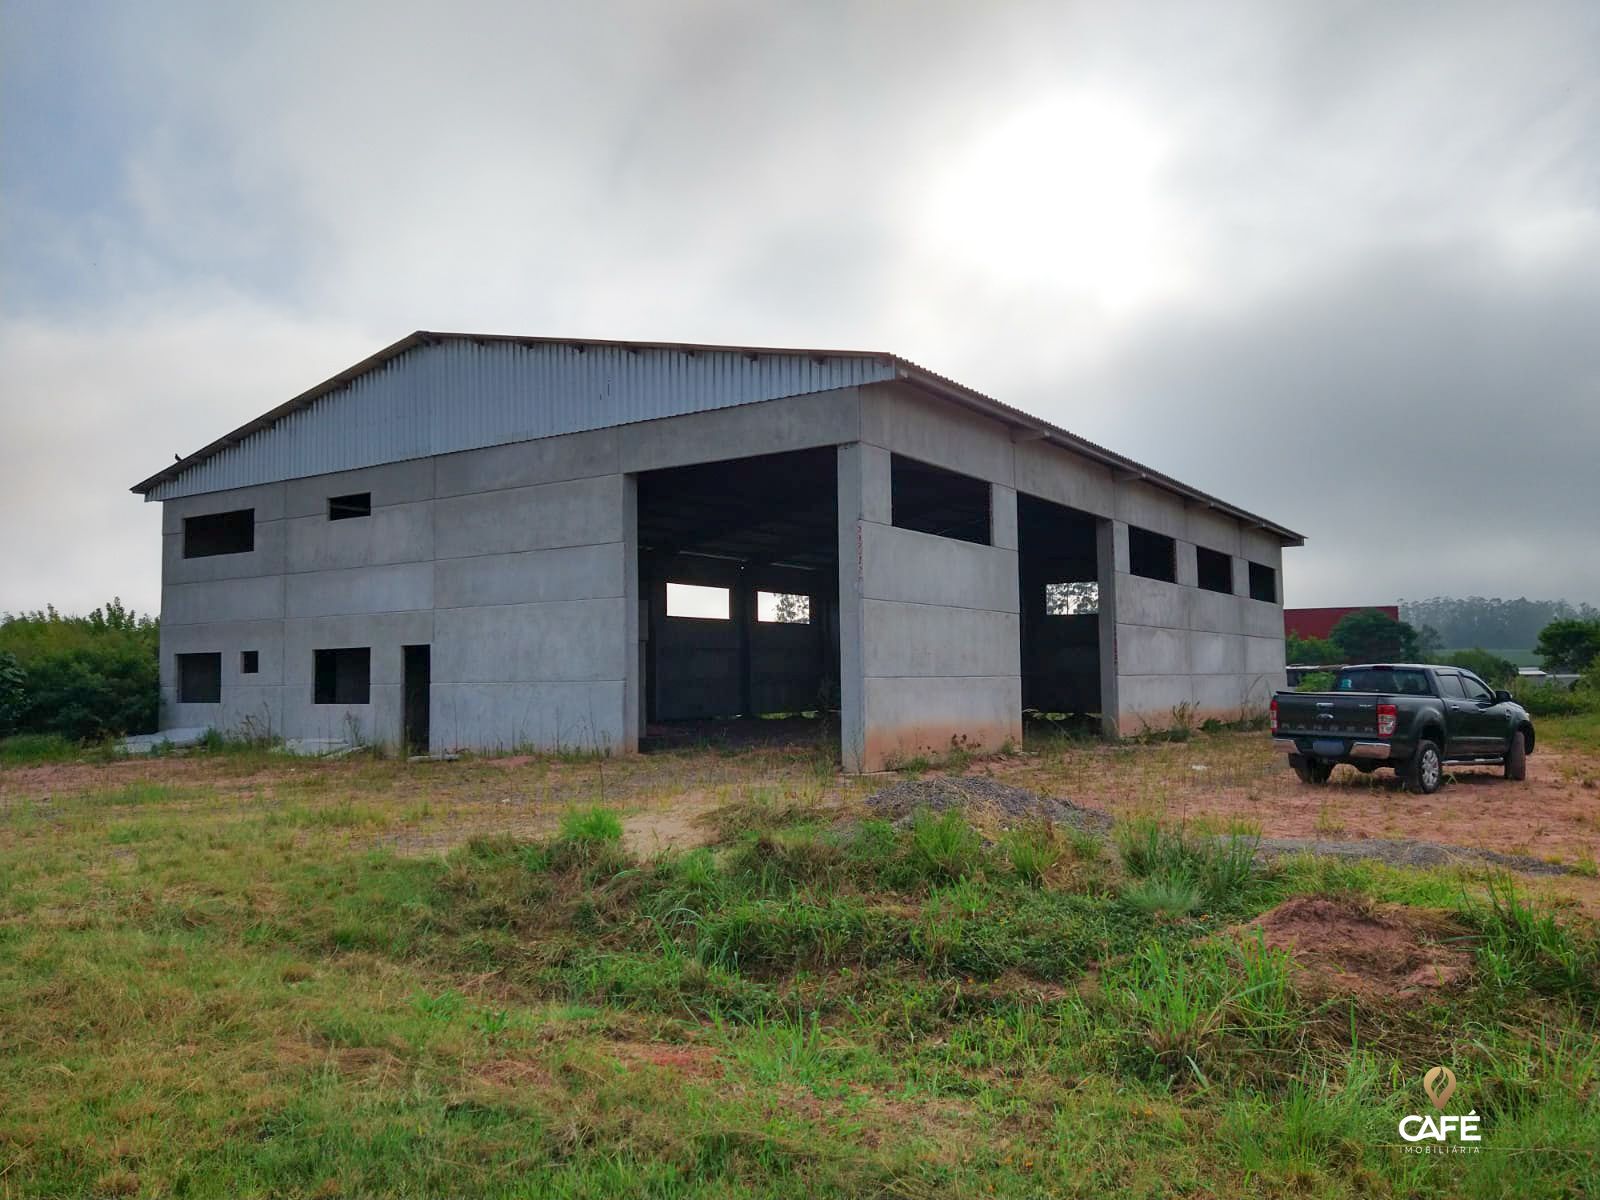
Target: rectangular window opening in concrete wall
{"points": [[1215, 570], [932, 500], [343, 508], [1058, 569], [343, 675], [1263, 583], [200, 678], [249, 662], [1071, 599], [759, 536], [211, 534], [783, 608], [697, 602], [1152, 555]]}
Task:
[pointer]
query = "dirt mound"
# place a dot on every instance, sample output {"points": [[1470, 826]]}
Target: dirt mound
{"points": [[980, 794], [1344, 948]]}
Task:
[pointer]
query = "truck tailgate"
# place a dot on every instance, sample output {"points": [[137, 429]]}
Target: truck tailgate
{"points": [[1311, 714]]}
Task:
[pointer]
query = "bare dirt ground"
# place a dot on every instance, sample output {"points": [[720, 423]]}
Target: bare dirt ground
{"points": [[667, 799]]}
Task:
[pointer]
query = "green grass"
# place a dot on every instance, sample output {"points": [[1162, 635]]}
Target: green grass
{"points": [[254, 998], [28, 749]]}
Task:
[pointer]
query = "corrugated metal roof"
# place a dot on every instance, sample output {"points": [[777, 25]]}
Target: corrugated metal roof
{"points": [[436, 393]]}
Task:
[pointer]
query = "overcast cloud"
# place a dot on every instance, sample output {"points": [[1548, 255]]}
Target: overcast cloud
{"points": [[1337, 263]]}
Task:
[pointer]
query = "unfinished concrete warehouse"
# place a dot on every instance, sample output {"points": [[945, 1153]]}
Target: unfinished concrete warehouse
{"points": [[485, 542]]}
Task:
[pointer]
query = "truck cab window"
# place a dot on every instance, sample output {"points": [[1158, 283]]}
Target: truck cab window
{"points": [[1474, 689]]}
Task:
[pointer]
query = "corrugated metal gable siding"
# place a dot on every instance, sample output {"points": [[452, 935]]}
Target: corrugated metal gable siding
{"points": [[461, 395]]}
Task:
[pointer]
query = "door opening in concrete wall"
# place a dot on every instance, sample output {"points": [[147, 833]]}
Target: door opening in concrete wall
{"points": [[738, 568], [1058, 573], [416, 698], [930, 499]]}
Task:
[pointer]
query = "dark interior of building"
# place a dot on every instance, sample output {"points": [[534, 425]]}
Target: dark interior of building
{"points": [[1058, 574], [739, 562]]}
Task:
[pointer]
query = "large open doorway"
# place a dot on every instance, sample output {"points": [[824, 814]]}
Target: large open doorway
{"points": [[738, 568], [1059, 573]]}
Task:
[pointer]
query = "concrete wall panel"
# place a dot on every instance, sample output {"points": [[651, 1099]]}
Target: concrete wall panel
{"points": [[772, 427], [1142, 601], [390, 484], [257, 599], [901, 419], [512, 716], [1216, 653], [919, 716], [922, 568], [1052, 473], [403, 587], [579, 512], [524, 464], [935, 640], [534, 576], [1148, 650], [396, 534], [560, 641]]}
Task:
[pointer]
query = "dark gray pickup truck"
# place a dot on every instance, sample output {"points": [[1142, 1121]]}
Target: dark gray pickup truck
{"points": [[1408, 717]]}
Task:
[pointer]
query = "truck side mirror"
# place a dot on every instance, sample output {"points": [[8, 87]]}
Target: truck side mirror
{"points": [[1501, 695]]}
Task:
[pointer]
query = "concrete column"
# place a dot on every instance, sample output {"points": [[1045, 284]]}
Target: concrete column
{"points": [[1002, 517], [1110, 549], [632, 694], [864, 495], [1188, 564], [1241, 576]]}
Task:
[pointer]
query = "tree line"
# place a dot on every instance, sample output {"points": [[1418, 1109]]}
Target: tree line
{"points": [[82, 677], [1493, 622]]}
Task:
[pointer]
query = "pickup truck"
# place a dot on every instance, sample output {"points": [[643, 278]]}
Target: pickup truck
{"points": [[1408, 717]]}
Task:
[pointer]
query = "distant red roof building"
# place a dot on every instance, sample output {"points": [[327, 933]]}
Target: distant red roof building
{"points": [[1319, 622]]}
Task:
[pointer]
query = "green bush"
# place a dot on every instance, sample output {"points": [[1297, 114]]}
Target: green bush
{"points": [[1569, 645], [1311, 652], [1317, 681], [80, 677], [1547, 700], [1491, 668]]}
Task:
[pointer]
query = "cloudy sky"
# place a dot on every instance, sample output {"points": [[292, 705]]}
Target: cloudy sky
{"points": [[1337, 262]]}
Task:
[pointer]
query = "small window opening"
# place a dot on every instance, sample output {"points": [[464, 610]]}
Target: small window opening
{"points": [[1152, 555], [342, 508], [783, 608], [1263, 583], [1071, 599], [697, 602], [1215, 570], [249, 662], [343, 676], [200, 678], [933, 500], [220, 533]]}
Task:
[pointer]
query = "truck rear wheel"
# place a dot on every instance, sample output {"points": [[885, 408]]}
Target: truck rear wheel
{"points": [[1426, 771], [1310, 770], [1517, 757]]}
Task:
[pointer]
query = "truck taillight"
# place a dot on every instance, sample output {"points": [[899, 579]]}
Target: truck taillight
{"points": [[1388, 717], [1274, 716]]}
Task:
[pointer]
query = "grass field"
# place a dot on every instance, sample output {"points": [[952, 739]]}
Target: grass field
{"points": [[236, 976]]}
